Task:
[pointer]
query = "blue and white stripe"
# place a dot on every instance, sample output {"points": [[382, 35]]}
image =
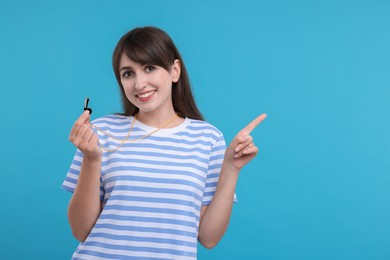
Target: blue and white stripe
{"points": [[152, 189]]}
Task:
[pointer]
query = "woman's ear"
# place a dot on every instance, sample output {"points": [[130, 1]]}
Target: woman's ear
{"points": [[175, 71]]}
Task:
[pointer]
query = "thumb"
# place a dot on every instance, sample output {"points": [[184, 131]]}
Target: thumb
{"points": [[86, 117]]}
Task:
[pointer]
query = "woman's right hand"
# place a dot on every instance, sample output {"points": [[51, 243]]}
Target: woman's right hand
{"points": [[84, 138]]}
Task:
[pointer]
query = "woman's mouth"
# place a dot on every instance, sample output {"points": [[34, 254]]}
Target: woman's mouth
{"points": [[146, 96]]}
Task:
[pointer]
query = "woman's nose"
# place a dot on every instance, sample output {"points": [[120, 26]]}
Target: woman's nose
{"points": [[140, 82]]}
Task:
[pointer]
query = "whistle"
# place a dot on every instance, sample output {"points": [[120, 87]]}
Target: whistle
{"points": [[86, 105]]}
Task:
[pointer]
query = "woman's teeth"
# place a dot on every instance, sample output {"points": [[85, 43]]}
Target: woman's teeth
{"points": [[145, 95]]}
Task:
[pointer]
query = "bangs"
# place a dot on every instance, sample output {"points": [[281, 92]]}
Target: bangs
{"points": [[149, 52]]}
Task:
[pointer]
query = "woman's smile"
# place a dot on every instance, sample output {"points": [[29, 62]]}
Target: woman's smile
{"points": [[146, 96]]}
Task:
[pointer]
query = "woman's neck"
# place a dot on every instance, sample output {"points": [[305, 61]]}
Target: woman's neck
{"points": [[157, 119]]}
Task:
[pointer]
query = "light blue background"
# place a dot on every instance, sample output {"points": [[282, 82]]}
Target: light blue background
{"points": [[319, 188]]}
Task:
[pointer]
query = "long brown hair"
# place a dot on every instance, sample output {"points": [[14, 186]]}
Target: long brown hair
{"points": [[151, 45]]}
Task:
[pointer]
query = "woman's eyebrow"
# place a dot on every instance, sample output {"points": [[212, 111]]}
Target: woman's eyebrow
{"points": [[125, 68]]}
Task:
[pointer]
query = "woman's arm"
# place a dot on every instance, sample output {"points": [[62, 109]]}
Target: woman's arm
{"points": [[85, 205], [214, 218]]}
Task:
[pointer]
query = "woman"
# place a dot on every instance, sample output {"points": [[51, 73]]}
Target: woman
{"points": [[152, 181]]}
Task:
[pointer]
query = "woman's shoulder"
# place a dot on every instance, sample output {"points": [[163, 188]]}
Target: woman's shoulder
{"points": [[111, 120], [203, 126]]}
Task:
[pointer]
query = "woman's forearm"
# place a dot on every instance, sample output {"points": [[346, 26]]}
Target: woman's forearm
{"points": [[216, 218], [85, 205]]}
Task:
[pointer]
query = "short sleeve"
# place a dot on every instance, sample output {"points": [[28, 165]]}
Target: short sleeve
{"points": [[72, 176], [215, 163]]}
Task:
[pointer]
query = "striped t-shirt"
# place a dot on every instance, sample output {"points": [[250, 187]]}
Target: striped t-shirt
{"points": [[152, 189]]}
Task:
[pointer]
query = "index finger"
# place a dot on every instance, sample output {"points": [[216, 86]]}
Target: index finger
{"points": [[252, 125]]}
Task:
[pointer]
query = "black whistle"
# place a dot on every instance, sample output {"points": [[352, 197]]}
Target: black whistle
{"points": [[86, 105]]}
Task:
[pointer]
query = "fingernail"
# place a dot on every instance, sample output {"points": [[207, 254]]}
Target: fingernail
{"points": [[237, 149]]}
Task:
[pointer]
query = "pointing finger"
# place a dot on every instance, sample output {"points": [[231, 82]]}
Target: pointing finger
{"points": [[252, 125]]}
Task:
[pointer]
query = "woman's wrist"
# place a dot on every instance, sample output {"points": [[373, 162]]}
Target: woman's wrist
{"points": [[228, 168], [93, 159]]}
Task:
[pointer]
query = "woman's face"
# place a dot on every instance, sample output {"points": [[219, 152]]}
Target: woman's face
{"points": [[148, 87]]}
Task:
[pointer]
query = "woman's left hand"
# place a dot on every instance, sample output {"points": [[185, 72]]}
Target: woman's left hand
{"points": [[242, 149]]}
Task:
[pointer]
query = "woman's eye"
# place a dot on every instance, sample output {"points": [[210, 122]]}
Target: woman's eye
{"points": [[150, 68], [127, 74]]}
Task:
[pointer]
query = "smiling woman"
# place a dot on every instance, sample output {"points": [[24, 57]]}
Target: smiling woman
{"points": [[152, 181]]}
